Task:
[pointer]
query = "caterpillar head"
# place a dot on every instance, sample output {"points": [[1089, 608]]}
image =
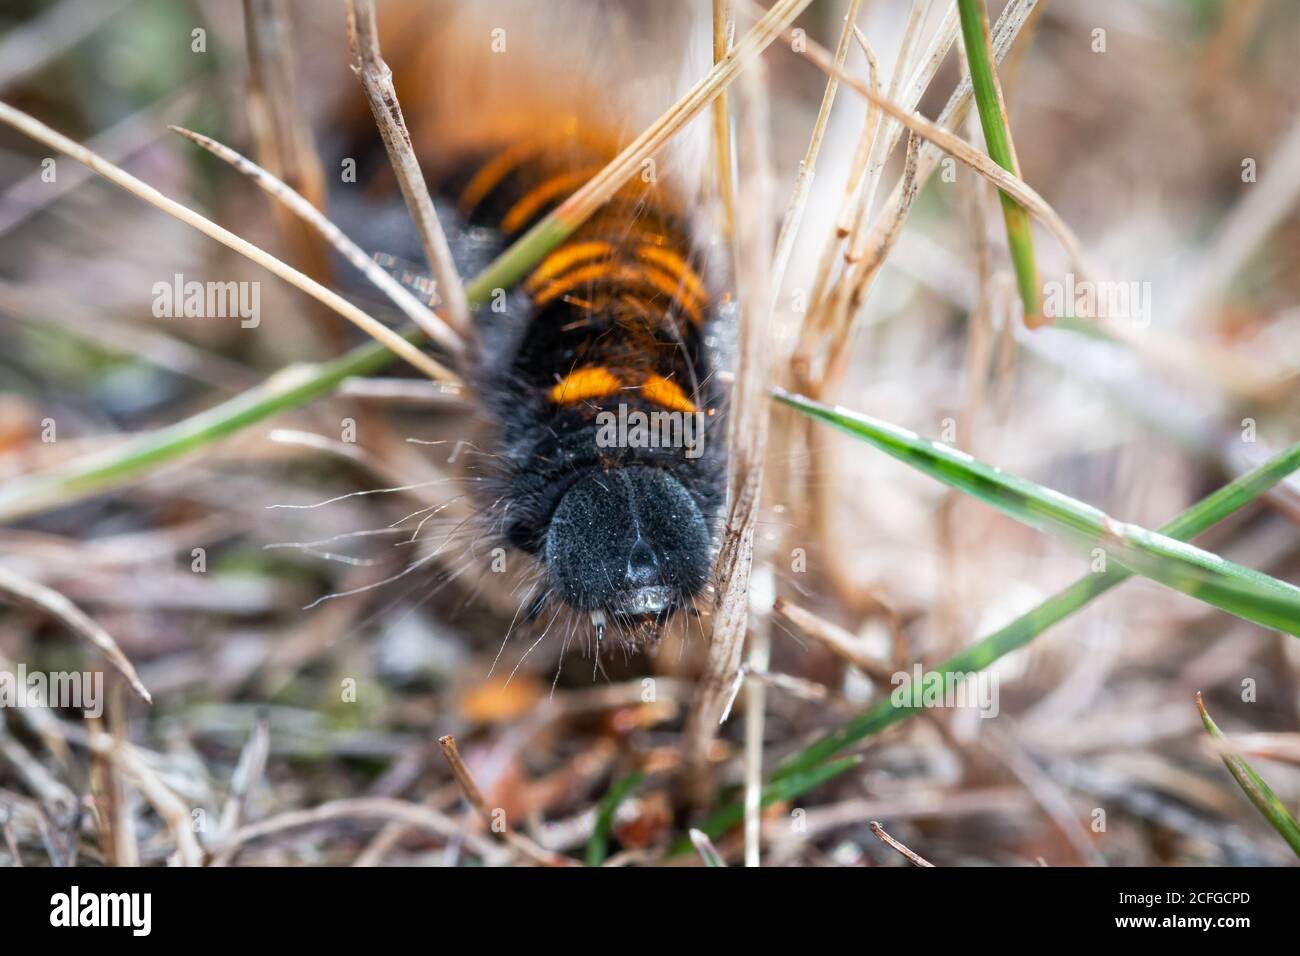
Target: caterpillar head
{"points": [[629, 541]]}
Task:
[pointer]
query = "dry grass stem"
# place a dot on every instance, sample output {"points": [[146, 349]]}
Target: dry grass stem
{"points": [[596, 192], [523, 845], [59, 607], [279, 126], [885, 134], [723, 27], [746, 438], [825, 325], [174, 812], [377, 81], [403, 391], [120, 177], [362, 808], [117, 830], [835, 639], [915, 858], [33, 193], [794, 686], [808, 167], [435, 328], [959, 149], [285, 144]]}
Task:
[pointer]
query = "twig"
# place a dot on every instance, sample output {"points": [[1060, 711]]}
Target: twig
{"points": [[746, 442], [913, 804], [432, 326], [518, 841], [377, 82], [76, 620], [915, 858], [834, 638], [390, 339]]}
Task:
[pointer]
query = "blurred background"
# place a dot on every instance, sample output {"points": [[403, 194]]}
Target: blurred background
{"points": [[289, 729]]}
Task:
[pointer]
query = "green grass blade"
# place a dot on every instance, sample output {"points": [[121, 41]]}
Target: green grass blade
{"points": [[90, 474], [598, 843], [1241, 591], [1201, 516], [997, 136], [1265, 801]]}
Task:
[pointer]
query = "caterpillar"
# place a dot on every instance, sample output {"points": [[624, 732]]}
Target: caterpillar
{"points": [[604, 460]]}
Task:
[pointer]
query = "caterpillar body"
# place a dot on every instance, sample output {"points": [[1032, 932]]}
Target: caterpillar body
{"points": [[605, 456]]}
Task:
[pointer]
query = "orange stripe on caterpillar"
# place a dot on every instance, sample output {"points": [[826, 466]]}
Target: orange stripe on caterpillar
{"points": [[563, 258], [666, 394], [537, 149], [625, 275], [494, 171], [535, 200], [674, 264], [595, 381]]}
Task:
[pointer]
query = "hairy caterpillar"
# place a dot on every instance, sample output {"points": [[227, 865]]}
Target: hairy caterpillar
{"points": [[596, 374]]}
